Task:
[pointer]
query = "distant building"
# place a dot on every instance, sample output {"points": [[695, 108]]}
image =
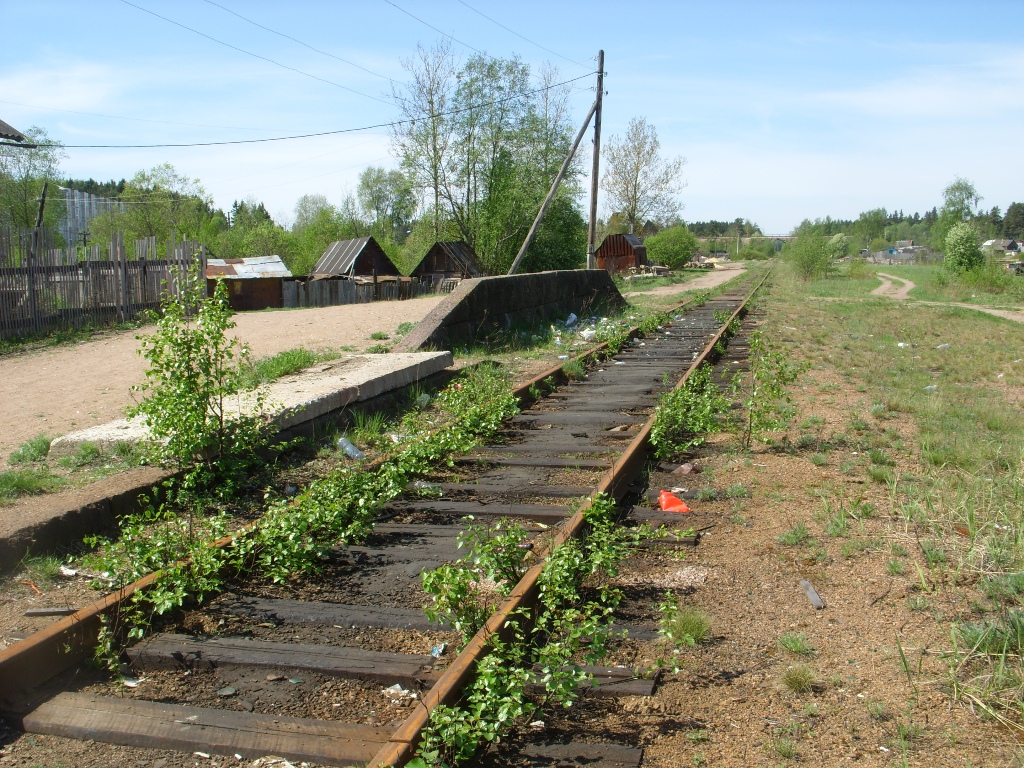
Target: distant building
{"points": [[10, 133], [253, 283], [904, 243], [361, 257], [450, 260], [620, 252], [1007, 246]]}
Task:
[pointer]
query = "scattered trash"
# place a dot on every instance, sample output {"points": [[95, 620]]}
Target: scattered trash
{"points": [[67, 572], [587, 334], [563, 357], [620, 428], [901, 344], [350, 450], [686, 469], [438, 650], [395, 438], [1001, 375], [671, 503], [423, 401], [34, 587], [812, 595], [204, 755], [273, 678], [291, 490], [571, 320], [943, 346], [619, 362], [295, 680], [398, 694], [228, 691], [537, 725], [132, 682], [423, 485], [930, 388], [854, 336]]}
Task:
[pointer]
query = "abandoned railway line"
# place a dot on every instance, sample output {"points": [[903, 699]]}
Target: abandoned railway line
{"points": [[297, 669]]}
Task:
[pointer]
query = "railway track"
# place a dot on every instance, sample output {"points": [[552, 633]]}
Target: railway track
{"points": [[298, 670]]}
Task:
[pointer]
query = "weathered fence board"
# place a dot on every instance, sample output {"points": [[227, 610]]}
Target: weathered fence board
{"points": [[45, 289]]}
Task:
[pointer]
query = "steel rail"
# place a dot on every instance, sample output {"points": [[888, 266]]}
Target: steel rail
{"points": [[446, 690], [56, 648]]}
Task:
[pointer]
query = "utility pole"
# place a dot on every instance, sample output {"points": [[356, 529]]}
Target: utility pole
{"points": [[595, 170]]}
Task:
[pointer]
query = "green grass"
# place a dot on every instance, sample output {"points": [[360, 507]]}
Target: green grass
{"points": [[784, 747], [41, 569], [819, 460], [268, 369], [706, 494], [685, 625], [379, 336], [737, 491], [378, 349], [799, 679], [574, 370], [87, 454], [16, 483], [30, 451], [796, 642], [795, 536]]}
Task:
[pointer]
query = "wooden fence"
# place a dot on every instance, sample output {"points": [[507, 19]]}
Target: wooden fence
{"points": [[45, 289], [331, 292]]}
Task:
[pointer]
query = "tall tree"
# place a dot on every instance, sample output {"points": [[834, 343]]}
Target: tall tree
{"points": [[1013, 221], [423, 141], [387, 198], [307, 208], [22, 175], [638, 180]]}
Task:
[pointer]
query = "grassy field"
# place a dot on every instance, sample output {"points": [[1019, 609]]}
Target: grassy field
{"points": [[956, 488]]}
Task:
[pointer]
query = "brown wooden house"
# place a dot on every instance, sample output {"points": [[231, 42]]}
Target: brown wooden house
{"points": [[362, 257], [620, 252], [448, 261]]}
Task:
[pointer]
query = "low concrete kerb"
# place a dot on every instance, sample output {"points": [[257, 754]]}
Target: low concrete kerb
{"points": [[296, 402]]}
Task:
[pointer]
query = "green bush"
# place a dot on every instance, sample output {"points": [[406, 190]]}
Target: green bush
{"points": [[685, 416], [673, 247], [962, 252], [810, 256]]}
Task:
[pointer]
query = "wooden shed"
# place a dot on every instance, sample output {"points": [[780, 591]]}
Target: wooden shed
{"points": [[620, 252], [351, 258], [253, 283], [447, 261]]}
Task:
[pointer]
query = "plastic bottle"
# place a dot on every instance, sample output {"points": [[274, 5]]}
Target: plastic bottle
{"points": [[350, 450]]}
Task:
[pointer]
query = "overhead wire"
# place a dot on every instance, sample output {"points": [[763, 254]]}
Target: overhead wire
{"points": [[255, 55], [522, 37], [391, 124], [138, 119], [426, 24], [300, 42]]}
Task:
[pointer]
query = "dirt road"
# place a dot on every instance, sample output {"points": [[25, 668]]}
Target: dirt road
{"points": [[893, 287], [712, 279], [61, 389]]}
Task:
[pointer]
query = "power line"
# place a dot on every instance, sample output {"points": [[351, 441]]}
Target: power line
{"points": [[325, 133], [137, 119], [522, 37], [421, 21], [300, 42], [255, 55]]}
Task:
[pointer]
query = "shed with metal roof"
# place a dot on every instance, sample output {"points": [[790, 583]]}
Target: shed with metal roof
{"points": [[618, 253], [447, 260], [253, 283], [352, 258]]}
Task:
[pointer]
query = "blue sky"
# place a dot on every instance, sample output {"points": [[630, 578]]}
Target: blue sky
{"points": [[782, 110]]}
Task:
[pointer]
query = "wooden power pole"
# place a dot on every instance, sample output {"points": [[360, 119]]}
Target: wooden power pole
{"points": [[595, 171]]}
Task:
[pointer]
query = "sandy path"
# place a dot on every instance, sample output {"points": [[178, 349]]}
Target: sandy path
{"points": [[711, 280], [893, 287], [61, 389]]}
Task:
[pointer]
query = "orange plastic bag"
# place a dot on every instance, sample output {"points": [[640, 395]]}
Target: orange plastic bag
{"points": [[671, 503]]}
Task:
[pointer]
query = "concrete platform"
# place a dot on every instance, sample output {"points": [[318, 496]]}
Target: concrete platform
{"points": [[49, 522], [292, 400]]}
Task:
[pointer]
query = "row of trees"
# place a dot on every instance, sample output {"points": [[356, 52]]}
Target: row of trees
{"points": [[879, 229], [477, 150]]}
